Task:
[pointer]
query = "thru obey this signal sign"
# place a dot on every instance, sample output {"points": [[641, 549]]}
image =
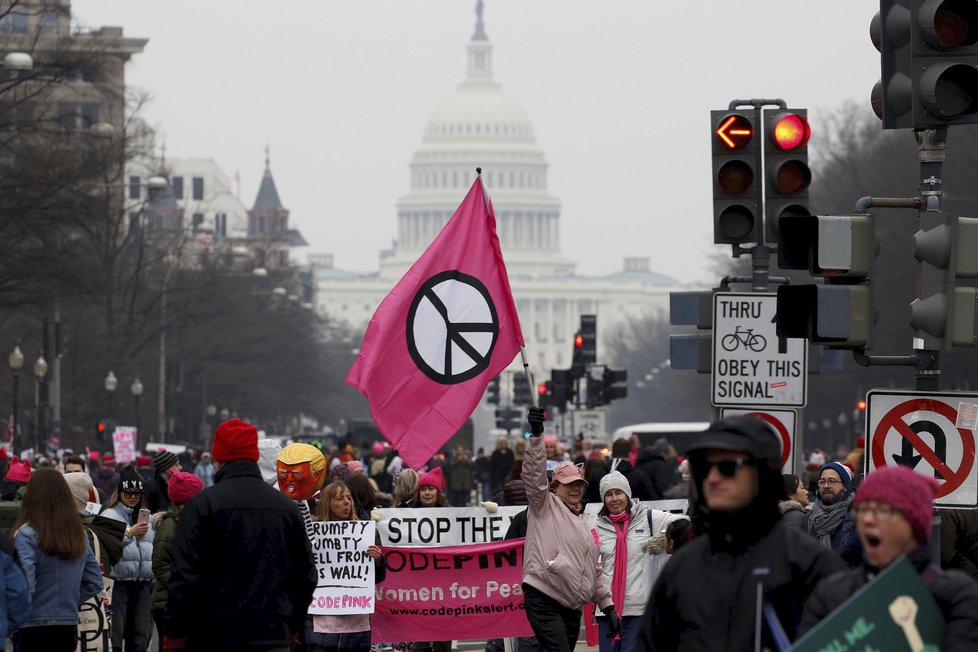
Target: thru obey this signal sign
{"points": [[751, 366], [932, 433]]}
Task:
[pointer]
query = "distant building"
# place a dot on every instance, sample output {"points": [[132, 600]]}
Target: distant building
{"points": [[479, 125]]}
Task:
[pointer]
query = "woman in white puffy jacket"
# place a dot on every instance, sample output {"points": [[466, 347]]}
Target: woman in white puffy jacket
{"points": [[625, 530]]}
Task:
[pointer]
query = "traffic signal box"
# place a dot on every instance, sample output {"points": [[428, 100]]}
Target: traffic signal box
{"points": [[928, 58], [946, 249], [508, 418], [787, 175], [492, 391], [521, 389], [841, 249], [589, 339], [561, 387], [607, 388], [736, 183]]}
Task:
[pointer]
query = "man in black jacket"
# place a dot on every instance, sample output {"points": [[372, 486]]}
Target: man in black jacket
{"points": [[637, 482], [709, 594], [165, 464], [242, 568]]}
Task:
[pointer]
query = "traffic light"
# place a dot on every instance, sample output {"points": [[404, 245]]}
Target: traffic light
{"points": [[841, 249], [736, 185], [928, 58], [589, 339], [492, 391], [562, 387], [545, 396], [508, 418], [947, 249], [613, 380], [786, 135], [104, 429], [521, 389], [578, 367]]}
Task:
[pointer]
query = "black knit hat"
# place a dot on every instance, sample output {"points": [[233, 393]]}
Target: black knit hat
{"points": [[163, 461], [130, 480]]}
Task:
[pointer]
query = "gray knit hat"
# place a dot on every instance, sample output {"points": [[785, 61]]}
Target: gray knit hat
{"points": [[615, 480]]}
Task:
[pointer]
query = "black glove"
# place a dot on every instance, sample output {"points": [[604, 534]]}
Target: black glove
{"points": [[536, 417], [614, 622]]}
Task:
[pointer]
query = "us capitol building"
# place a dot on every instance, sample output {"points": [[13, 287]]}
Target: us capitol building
{"points": [[480, 126]]}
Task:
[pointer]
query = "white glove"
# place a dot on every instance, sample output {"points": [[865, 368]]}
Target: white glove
{"points": [[375, 514], [490, 506]]}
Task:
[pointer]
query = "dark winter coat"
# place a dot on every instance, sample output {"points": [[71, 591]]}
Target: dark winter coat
{"points": [[705, 598], [106, 480], [660, 472], [241, 573], [792, 514], [955, 592], [959, 540], [500, 464], [155, 492], [514, 493]]}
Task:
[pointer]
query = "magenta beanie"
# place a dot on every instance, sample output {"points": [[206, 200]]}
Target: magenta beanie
{"points": [[905, 490], [183, 486]]}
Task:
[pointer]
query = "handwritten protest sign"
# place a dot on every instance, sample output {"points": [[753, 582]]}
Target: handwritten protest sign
{"points": [[473, 592], [893, 612], [346, 573], [124, 444]]}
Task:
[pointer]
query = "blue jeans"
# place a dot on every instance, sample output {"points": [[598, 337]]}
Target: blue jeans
{"points": [[631, 632], [318, 642]]}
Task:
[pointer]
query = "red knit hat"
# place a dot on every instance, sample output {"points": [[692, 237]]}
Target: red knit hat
{"points": [[108, 459], [19, 471], [183, 486], [905, 490], [235, 440], [432, 478]]}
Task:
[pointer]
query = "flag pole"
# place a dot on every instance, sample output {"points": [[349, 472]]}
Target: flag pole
{"points": [[526, 365]]}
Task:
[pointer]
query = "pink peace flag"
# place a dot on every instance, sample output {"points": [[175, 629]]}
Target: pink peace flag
{"points": [[446, 329]]}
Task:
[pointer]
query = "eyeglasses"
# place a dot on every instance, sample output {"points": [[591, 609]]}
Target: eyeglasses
{"points": [[726, 468], [882, 512], [132, 494], [828, 482]]}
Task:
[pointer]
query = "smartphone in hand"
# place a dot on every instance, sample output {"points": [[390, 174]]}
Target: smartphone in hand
{"points": [[143, 516]]}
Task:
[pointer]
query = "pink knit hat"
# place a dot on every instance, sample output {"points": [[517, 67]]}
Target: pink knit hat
{"points": [[183, 486], [905, 490], [432, 478], [19, 471]]}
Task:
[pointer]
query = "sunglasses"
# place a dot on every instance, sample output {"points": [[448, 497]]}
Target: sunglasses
{"points": [[726, 468], [132, 494]]}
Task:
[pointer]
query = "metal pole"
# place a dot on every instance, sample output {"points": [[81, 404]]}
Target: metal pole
{"points": [[931, 150], [56, 364], [13, 431]]}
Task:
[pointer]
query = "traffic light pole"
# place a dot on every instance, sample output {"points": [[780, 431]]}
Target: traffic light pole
{"points": [[931, 152]]}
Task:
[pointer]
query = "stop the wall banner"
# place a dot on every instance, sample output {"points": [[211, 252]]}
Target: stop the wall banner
{"points": [[459, 592]]}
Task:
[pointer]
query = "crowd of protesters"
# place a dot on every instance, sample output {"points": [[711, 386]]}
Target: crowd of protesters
{"points": [[167, 545]]}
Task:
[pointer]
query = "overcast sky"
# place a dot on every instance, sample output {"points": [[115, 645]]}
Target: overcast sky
{"points": [[619, 93]]}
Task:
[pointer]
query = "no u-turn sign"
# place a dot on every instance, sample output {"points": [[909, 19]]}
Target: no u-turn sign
{"points": [[932, 433]]}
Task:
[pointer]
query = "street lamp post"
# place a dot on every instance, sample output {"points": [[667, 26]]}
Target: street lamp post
{"points": [[40, 372], [137, 390], [111, 383], [16, 361]]}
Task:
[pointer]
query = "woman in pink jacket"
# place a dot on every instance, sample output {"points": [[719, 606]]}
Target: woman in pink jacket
{"points": [[561, 567]]}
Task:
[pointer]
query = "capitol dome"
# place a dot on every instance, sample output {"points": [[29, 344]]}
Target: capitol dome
{"points": [[479, 126]]}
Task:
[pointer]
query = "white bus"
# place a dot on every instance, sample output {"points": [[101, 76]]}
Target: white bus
{"points": [[679, 433]]}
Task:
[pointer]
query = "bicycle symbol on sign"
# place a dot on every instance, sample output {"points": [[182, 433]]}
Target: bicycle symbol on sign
{"points": [[746, 338]]}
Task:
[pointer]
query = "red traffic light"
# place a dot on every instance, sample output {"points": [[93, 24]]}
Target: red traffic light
{"points": [[860, 405], [101, 426], [578, 341], [734, 131], [790, 131], [542, 389]]}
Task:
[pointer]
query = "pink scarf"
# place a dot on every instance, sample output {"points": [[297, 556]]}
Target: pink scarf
{"points": [[620, 573]]}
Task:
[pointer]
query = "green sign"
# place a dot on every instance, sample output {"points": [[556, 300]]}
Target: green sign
{"points": [[893, 613]]}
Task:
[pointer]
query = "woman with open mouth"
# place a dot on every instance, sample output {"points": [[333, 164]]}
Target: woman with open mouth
{"points": [[893, 511]]}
